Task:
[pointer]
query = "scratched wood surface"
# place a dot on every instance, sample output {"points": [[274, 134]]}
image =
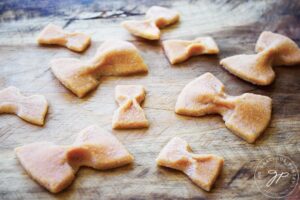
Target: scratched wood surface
{"points": [[235, 25]]}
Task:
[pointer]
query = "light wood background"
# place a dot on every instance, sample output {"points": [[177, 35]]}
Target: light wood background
{"points": [[235, 25]]}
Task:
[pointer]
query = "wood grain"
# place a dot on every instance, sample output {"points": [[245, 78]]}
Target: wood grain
{"points": [[234, 24]]}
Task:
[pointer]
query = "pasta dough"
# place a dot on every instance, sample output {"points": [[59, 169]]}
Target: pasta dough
{"points": [[272, 50], [74, 41], [54, 167], [113, 58], [157, 17], [32, 109], [246, 115], [203, 170], [129, 114], [180, 50]]}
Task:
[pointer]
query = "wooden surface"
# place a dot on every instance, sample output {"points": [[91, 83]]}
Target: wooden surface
{"points": [[234, 24]]}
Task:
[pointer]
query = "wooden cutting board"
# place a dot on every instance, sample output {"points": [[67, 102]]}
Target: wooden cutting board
{"points": [[235, 25]]}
